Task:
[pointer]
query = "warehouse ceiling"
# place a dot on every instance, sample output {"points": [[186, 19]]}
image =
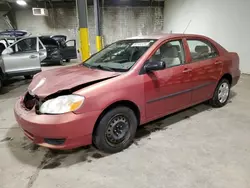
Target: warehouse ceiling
{"points": [[6, 5]]}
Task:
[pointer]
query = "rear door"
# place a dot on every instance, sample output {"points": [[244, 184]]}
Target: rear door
{"points": [[68, 51], [23, 57], [206, 66]]}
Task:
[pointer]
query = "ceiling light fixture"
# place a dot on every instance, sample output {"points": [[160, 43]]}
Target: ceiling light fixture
{"points": [[21, 2]]}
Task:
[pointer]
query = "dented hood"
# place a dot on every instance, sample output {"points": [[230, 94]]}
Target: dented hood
{"points": [[52, 81]]}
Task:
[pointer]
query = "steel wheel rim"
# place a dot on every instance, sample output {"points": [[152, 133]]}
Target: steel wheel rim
{"points": [[117, 131], [223, 92]]}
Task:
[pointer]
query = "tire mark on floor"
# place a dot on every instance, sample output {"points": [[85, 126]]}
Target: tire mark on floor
{"points": [[46, 163]]}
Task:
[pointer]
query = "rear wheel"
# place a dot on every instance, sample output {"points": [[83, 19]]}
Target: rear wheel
{"points": [[115, 130], [221, 94]]}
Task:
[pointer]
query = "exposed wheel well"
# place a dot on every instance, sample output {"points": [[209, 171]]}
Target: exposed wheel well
{"points": [[126, 103], [228, 77]]}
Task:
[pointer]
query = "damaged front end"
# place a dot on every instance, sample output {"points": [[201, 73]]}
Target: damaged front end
{"points": [[31, 100]]}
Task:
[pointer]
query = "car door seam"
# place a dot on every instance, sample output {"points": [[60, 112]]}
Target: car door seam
{"points": [[180, 92]]}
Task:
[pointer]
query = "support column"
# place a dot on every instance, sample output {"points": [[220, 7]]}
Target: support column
{"points": [[98, 25], [82, 9]]}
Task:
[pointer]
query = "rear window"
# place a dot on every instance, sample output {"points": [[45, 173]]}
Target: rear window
{"points": [[201, 49]]}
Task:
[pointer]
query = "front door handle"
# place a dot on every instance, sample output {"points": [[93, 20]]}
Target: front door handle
{"points": [[187, 70], [218, 62], [33, 56]]}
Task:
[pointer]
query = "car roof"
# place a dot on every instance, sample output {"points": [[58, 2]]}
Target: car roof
{"points": [[7, 37], [164, 36], [14, 33]]}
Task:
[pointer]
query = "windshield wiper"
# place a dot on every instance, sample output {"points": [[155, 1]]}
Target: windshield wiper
{"points": [[103, 68], [86, 65]]}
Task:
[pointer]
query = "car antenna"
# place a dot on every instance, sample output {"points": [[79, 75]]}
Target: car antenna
{"points": [[187, 26]]}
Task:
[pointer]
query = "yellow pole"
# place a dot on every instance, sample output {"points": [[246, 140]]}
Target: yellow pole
{"points": [[84, 43], [98, 43], [83, 28], [98, 25]]}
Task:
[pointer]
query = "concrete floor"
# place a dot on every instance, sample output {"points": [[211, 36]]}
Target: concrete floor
{"points": [[198, 147]]}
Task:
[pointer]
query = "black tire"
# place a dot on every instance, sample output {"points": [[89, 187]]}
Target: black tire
{"points": [[115, 119], [67, 60], [28, 77], [215, 101]]}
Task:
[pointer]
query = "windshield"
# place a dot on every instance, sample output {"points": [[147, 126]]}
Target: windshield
{"points": [[120, 56]]}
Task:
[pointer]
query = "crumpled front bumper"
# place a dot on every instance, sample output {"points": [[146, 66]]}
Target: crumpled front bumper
{"points": [[64, 131]]}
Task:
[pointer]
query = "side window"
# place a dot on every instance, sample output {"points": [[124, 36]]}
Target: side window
{"points": [[201, 50], [172, 53], [40, 46], [25, 45], [70, 43], [2, 47], [3, 42]]}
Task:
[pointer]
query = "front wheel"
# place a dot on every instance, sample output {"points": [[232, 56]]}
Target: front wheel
{"points": [[115, 130], [221, 94]]}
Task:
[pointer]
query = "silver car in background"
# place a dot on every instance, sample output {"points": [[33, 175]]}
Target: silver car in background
{"points": [[22, 58]]}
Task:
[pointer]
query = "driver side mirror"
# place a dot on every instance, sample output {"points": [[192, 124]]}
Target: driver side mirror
{"points": [[154, 66], [7, 51]]}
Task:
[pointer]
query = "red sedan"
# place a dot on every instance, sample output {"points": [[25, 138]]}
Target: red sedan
{"points": [[127, 84]]}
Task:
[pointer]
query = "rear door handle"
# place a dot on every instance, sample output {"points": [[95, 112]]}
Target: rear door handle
{"points": [[187, 70], [33, 56], [40, 53]]}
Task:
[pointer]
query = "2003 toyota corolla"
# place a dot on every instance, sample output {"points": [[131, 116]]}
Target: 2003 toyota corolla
{"points": [[127, 84]]}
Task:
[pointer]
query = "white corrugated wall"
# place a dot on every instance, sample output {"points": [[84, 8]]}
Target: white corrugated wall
{"points": [[226, 21]]}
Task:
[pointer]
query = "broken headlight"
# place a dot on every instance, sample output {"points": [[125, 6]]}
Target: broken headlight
{"points": [[62, 104]]}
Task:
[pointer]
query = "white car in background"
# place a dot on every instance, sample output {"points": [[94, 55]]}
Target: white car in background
{"points": [[22, 58]]}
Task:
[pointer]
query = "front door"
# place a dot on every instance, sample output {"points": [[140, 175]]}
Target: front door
{"points": [[69, 50], [168, 90], [206, 66], [22, 57]]}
